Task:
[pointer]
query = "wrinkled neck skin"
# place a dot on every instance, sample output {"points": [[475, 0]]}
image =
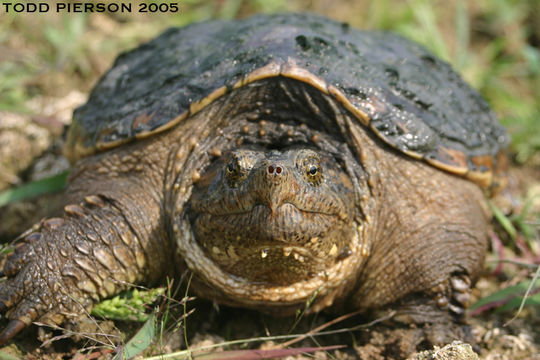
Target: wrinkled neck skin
{"points": [[251, 222]]}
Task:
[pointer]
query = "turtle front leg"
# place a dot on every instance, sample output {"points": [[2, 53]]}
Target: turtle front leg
{"points": [[420, 321], [100, 246]]}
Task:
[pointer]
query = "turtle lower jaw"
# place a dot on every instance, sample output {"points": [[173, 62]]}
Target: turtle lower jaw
{"points": [[270, 277], [279, 247], [271, 264], [274, 262]]}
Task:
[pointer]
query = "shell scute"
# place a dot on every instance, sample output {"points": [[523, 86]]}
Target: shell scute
{"points": [[410, 99]]}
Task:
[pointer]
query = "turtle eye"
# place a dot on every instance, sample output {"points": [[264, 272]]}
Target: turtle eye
{"points": [[239, 166], [313, 171], [234, 172]]}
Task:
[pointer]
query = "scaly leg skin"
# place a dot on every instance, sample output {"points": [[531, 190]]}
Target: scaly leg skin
{"points": [[421, 321], [59, 272]]}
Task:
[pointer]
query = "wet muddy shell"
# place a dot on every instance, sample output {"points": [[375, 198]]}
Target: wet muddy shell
{"points": [[410, 99]]}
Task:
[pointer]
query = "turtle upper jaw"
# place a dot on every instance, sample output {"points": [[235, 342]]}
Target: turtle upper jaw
{"points": [[285, 224]]}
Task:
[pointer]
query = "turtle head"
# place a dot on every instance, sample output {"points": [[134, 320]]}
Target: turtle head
{"points": [[274, 216]]}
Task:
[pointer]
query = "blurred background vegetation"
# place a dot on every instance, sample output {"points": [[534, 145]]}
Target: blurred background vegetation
{"points": [[494, 44]]}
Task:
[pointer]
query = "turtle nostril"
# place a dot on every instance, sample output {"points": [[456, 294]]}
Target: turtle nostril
{"points": [[275, 170]]}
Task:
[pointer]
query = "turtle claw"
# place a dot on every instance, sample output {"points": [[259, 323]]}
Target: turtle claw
{"points": [[57, 273], [16, 296], [34, 287], [12, 329], [15, 261], [9, 295], [20, 256], [21, 302]]}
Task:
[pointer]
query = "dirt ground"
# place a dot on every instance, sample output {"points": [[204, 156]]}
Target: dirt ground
{"points": [[30, 149]]}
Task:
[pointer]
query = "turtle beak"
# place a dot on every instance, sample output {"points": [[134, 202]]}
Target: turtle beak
{"points": [[274, 184]]}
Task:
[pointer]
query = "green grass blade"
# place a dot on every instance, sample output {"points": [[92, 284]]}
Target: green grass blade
{"points": [[129, 306], [6, 356], [140, 341], [504, 296], [463, 28], [35, 188], [528, 300], [505, 222]]}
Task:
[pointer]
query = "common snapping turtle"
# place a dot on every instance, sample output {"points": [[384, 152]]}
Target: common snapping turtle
{"points": [[274, 157]]}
